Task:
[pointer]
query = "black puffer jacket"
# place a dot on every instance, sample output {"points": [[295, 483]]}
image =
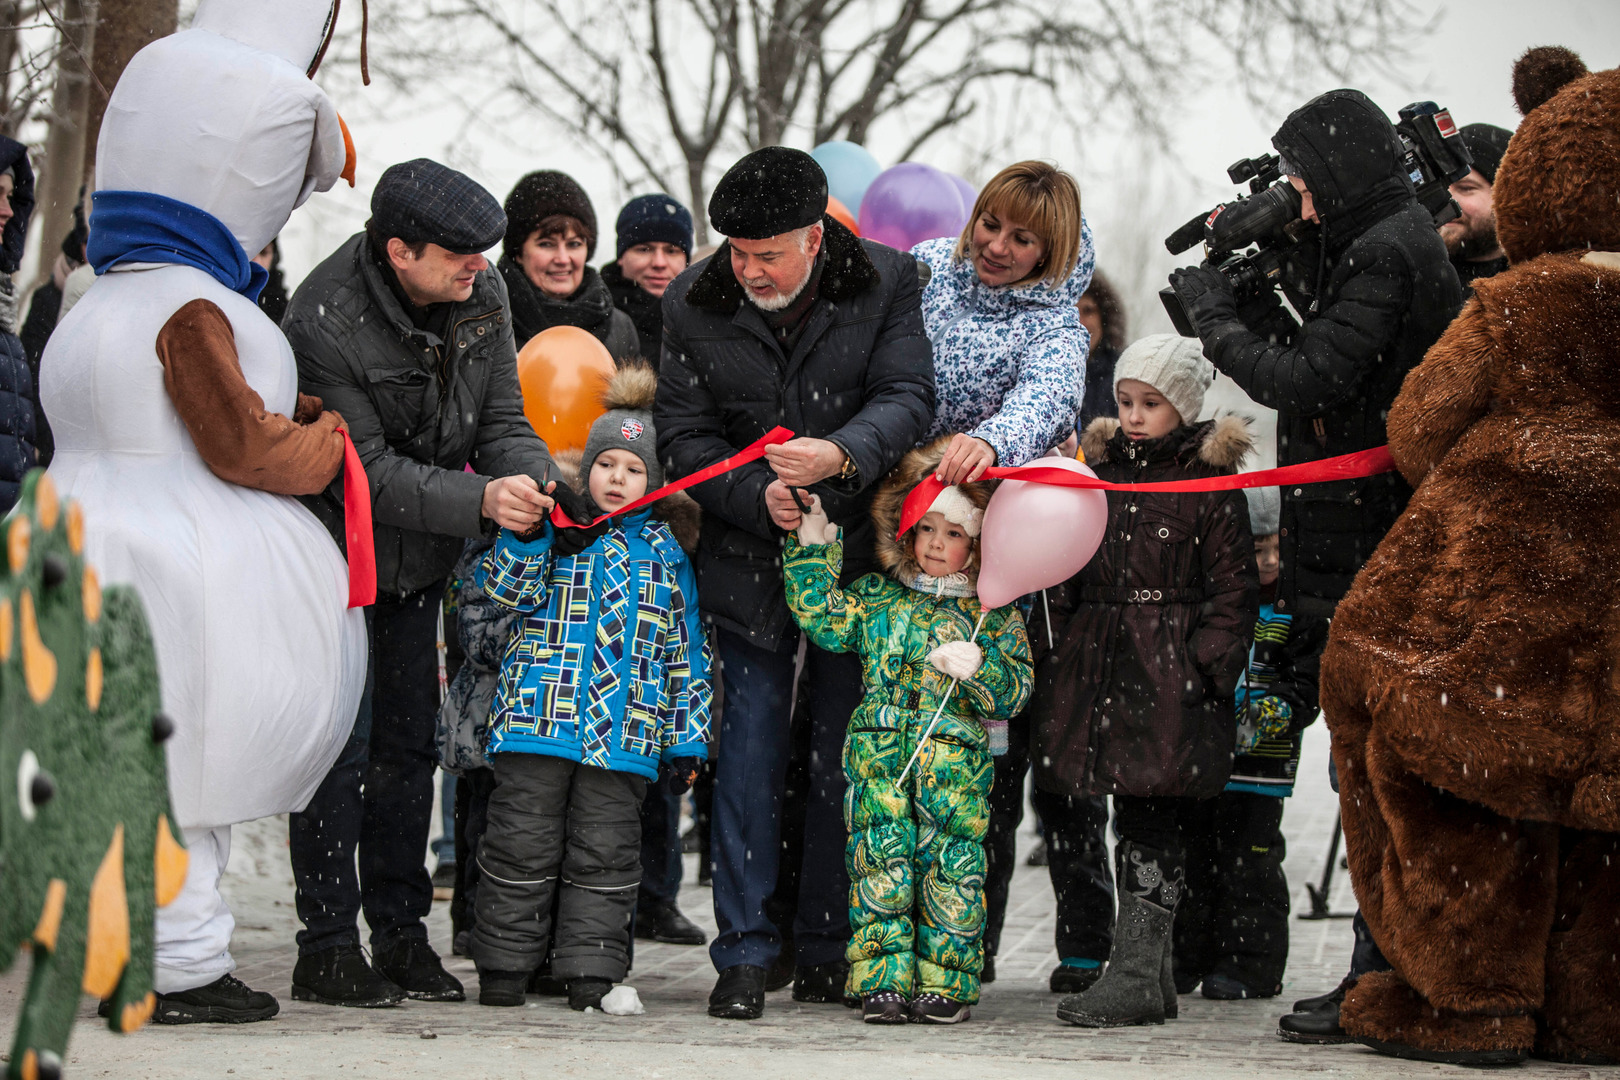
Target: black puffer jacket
{"points": [[861, 375], [1153, 634], [19, 395], [1388, 293], [590, 308], [641, 307], [419, 409]]}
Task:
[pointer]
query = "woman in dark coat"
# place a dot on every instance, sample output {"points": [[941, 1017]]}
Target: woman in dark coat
{"points": [[550, 237], [19, 394], [1136, 699]]}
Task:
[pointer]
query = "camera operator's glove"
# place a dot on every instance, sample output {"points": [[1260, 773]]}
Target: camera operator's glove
{"points": [[816, 527], [1262, 718], [960, 660], [682, 772], [1205, 295]]}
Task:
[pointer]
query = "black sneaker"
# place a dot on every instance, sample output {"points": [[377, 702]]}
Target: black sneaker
{"points": [[414, 967], [739, 993], [1219, 987], [884, 1007], [341, 976], [663, 921], [502, 988], [226, 1000], [1068, 979], [932, 1008], [821, 983], [586, 993]]}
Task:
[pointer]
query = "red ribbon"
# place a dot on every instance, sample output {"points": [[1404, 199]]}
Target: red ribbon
{"points": [[357, 527], [752, 452], [1355, 466]]}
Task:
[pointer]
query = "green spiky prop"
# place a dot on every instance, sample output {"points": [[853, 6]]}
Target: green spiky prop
{"points": [[86, 848]]}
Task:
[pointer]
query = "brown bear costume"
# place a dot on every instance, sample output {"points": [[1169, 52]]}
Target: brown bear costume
{"points": [[1472, 676]]}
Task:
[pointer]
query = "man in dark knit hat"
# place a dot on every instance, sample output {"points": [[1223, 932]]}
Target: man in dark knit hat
{"points": [[654, 246], [1471, 238], [404, 330], [796, 322]]}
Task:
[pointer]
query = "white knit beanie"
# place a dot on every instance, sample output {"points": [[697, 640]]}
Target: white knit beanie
{"points": [[954, 506], [1171, 364]]}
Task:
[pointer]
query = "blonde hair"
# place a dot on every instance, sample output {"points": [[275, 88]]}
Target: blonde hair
{"points": [[1043, 199]]}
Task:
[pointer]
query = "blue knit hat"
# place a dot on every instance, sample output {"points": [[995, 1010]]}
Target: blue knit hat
{"points": [[655, 218]]}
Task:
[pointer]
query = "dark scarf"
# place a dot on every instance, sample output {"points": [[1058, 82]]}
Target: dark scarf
{"points": [[644, 309], [590, 307], [788, 324]]}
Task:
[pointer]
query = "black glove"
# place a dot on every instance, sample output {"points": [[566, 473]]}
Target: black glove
{"points": [[579, 508], [573, 541], [1205, 295], [682, 773]]}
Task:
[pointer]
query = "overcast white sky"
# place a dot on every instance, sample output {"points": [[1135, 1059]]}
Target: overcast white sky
{"points": [[1133, 200]]}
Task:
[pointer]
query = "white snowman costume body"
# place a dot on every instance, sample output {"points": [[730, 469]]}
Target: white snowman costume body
{"points": [[262, 662]]}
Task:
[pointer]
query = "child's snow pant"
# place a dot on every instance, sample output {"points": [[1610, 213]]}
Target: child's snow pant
{"points": [[1233, 919], [553, 821], [916, 856]]}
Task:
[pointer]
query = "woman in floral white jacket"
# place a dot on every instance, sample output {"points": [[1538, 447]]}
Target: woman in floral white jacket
{"points": [[1000, 308]]}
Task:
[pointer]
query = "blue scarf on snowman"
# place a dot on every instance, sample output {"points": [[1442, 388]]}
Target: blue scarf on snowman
{"points": [[139, 226]]}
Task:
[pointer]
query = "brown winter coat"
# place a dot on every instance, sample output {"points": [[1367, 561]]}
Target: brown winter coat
{"points": [[1472, 674], [1154, 632]]}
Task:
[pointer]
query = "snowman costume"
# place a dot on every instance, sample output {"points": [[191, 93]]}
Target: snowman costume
{"points": [[173, 401]]}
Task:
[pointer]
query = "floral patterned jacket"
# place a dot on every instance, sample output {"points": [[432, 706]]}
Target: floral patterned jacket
{"points": [[1009, 363]]}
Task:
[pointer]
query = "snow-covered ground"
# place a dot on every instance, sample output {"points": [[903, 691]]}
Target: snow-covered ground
{"points": [[1013, 1032]]}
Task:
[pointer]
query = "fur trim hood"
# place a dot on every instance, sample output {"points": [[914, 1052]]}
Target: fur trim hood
{"points": [[894, 556], [1222, 443], [848, 271]]}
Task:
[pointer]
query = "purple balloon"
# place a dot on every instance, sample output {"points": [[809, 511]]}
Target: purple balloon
{"points": [[910, 203], [970, 195]]}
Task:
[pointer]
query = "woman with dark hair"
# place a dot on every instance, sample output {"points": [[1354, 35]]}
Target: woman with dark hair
{"points": [[550, 238], [1103, 316]]}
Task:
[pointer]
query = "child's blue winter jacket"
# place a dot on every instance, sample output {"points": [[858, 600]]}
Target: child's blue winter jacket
{"points": [[610, 665]]}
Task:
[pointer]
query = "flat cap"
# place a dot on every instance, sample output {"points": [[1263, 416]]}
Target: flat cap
{"points": [[774, 190], [422, 201]]}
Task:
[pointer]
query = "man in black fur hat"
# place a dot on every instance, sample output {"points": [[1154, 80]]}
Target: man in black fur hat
{"points": [[796, 322]]}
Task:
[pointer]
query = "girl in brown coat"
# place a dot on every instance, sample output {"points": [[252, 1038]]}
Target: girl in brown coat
{"points": [[1136, 699], [1472, 674]]}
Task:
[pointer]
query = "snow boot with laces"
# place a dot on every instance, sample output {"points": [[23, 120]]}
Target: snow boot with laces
{"points": [[1137, 987]]}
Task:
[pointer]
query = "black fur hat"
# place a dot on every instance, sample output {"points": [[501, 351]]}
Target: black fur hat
{"points": [[774, 190]]}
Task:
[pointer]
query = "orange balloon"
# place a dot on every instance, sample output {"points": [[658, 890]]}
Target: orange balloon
{"points": [[563, 372], [841, 214]]}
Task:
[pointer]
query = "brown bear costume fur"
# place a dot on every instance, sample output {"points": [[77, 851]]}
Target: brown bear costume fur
{"points": [[1472, 675]]}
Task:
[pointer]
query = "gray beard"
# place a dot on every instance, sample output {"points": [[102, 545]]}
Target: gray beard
{"points": [[781, 300]]}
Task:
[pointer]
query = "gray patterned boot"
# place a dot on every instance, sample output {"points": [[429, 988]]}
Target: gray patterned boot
{"points": [[1136, 988]]}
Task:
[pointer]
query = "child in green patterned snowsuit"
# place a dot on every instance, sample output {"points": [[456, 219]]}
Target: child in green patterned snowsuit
{"points": [[916, 851]]}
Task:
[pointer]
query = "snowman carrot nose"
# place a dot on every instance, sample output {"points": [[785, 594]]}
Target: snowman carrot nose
{"points": [[350, 158]]}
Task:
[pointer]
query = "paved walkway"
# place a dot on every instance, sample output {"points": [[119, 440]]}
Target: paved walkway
{"points": [[1013, 1032]]}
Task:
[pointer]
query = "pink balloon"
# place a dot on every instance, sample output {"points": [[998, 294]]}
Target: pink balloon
{"points": [[1036, 535]]}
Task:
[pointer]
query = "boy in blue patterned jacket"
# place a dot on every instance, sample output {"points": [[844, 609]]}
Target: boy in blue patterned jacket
{"points": [[605, 680]]}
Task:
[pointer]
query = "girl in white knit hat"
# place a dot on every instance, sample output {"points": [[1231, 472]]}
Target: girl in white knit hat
{"points": [[1135, 700]]}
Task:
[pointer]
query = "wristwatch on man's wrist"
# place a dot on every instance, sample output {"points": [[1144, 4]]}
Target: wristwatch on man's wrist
{"points": [[849, 470]]}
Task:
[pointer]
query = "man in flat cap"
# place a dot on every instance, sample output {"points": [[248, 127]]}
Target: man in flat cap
{"points": [[405, 331], [796, 322], [1471, 238]]}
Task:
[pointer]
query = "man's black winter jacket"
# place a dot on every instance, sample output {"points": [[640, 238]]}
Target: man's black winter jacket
{"points": [[419, 409], [1388, 294], [861, 375]]}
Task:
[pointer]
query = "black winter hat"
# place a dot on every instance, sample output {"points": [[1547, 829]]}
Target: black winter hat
{"points": [[14, 156], [774, 190], [1486, 144], [422, 201], [538, 196], [648, 219]]}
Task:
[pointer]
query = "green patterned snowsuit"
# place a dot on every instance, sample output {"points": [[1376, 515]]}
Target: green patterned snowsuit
{"points": [[916, 857]]}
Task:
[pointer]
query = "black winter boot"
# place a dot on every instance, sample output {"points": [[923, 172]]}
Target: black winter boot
{"points": [[226, 1000], [1138, 984], [341, 976], [587, 993], [502, 988], [663, 921], [412, 965]]}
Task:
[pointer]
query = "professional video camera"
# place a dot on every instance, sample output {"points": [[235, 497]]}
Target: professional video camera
{"points": [[1259, 242]]}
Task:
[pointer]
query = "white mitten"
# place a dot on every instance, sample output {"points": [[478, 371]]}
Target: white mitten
{"points": [[816, 527], [958, 659]]}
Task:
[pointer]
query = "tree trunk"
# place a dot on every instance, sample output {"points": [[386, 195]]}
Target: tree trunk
{"points": [[700, 208], [63, 166], [8, 56], [123, 29]]}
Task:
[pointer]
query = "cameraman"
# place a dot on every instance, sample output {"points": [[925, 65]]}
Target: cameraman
{"points": [[1471, 236], [1384, 291]]}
